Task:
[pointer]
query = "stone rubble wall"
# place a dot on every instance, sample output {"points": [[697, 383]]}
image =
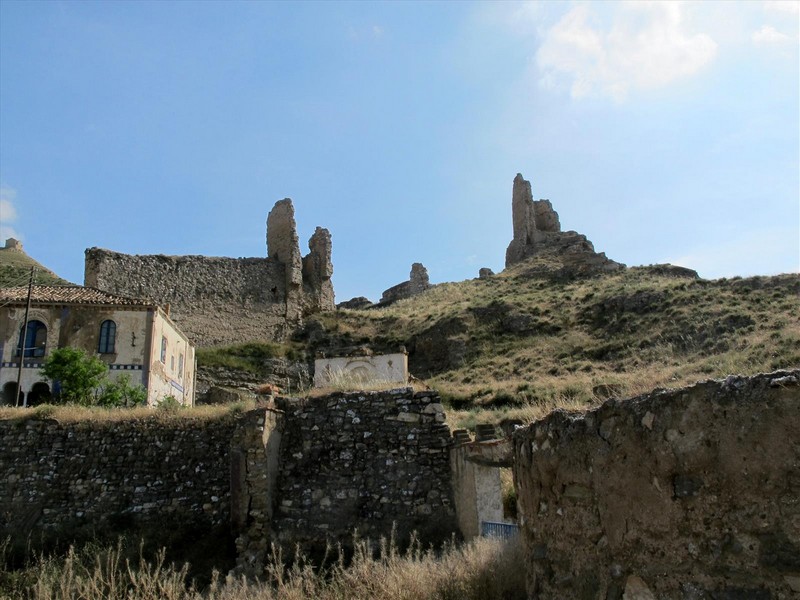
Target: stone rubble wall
{"points": [[691, 493], [219, 301], [89, 476], [417, 283], [214, 301], [255, 464], [308, 472], [364, 460]]}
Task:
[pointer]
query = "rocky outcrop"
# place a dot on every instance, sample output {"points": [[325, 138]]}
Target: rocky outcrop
{"points": [[218, 300], [357, 303], [418, 282], [688, 493], [317, 272], [537, 230]]}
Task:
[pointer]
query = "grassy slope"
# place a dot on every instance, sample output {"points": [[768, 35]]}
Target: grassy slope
{"points": [[584, 340], [15, 268], [530, 341]]}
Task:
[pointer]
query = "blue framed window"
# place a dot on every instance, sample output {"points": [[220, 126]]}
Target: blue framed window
{"points": [[163, 350], [108, 336], [35, 340]]}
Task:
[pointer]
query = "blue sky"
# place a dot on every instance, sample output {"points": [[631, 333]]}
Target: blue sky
{"points": [[665, 132]]}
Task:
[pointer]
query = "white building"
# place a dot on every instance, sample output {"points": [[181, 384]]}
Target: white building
{"points": [[130, 335]]}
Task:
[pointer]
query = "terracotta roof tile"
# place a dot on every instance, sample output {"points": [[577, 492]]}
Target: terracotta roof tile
{"points": [[67, 294]]}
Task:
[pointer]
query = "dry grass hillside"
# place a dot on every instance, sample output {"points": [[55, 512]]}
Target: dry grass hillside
{"points": [[15, 270], [534, 336]]}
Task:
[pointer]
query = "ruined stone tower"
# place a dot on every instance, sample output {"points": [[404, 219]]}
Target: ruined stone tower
{"points": [[537, 230], [219, 300]]}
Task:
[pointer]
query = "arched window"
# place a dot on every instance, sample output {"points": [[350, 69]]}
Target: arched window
{"points": [[35, 339], [108, 335]]}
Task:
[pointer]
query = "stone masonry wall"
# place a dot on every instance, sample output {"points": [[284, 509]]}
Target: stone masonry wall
{"points": [[218, 301], [213, 300], [686, 494], [309, 472], [86, 476], [364, 460]]}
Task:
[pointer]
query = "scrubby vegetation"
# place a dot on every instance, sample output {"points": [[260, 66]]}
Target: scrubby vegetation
{"points": [[482, 569], [528, 340], [15, 270], [248, 357]]}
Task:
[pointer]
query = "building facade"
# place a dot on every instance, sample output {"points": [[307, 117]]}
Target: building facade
{"points": [[132, 336]]}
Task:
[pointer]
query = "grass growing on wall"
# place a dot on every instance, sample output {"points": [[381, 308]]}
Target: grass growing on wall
{"points": [[246, 357], [69, 413], [475, 571]]}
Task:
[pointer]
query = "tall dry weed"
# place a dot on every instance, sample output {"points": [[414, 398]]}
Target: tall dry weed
{"points": [[479, 570]]}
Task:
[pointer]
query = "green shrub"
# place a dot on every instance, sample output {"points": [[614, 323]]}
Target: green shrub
{"points": [[121, 393], [79, 375]]}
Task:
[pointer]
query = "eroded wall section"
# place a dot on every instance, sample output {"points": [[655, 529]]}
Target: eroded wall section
{"points": [[691, 493], [62, 479], [364, 460], [218, 300]]}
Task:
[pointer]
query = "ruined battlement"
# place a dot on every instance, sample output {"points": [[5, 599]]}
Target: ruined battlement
{"points": [[537, 230], [417, 283], [218, 300]]}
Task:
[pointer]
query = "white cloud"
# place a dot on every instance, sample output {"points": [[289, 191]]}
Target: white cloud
{"points": [[645, 46], [8, 213], [769, 35], [377, 31], [788, 6]]}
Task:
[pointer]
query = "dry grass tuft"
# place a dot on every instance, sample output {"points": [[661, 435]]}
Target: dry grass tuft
{"points": [[475, 571], [71, 413]]}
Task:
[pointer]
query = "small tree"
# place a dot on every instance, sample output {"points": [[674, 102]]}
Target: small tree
{"points": [[122, 394], [79, 375]]}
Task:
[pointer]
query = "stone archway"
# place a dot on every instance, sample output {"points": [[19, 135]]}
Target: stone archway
{"points": [[9, 394], [39, 394]]}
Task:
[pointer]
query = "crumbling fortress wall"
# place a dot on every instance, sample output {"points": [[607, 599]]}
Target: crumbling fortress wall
{"points": [[537, 230], [690, 493], [418, 282], [307, 472], [228, 300], [365, 460], [94, 476]]}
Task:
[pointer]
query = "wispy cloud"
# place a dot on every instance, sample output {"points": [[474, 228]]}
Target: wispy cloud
{"points": [[8, 213], [643, 45], [786, 6], [769, 35], [374, 31]]}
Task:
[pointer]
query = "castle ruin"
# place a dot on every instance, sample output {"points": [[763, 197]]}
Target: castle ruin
{"points": [[537, 231], [218, 300]]}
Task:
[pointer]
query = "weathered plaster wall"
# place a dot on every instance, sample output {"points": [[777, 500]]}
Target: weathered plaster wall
{"points": [[76, 326], [174, 376], [390, 368], [475, 468], [690, 493], [85, 476], [364, 460]]}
